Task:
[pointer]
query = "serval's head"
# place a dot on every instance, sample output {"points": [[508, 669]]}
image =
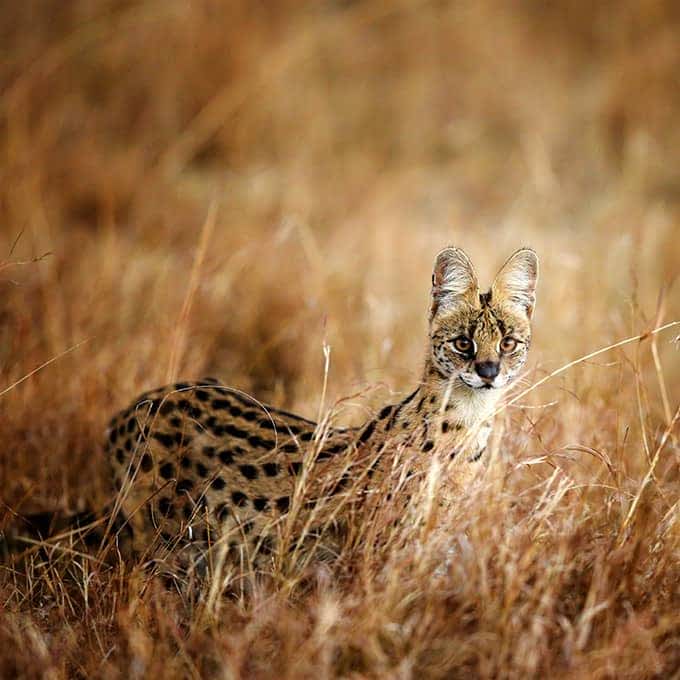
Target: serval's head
{"points": [[481, 339]]}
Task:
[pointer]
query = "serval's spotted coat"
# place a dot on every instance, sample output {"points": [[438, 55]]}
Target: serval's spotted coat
{"points": [[199, 464]]}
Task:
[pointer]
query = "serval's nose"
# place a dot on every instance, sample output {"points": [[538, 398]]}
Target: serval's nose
{"points": [[487, 370]]}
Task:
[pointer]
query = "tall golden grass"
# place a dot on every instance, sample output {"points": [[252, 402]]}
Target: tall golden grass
{"points": [[257, 191]]}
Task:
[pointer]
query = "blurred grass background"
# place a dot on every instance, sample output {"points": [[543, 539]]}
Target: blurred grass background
{"points": [[340, 144]]}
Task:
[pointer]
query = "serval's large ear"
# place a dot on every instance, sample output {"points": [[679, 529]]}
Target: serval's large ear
{"points": [[515, 283], [453, 281]]}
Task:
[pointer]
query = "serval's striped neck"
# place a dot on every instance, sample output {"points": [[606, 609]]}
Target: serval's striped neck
{"points": [[439, 414]]}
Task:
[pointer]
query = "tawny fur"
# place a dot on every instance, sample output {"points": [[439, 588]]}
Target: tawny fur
{"points": [[199, 463]]}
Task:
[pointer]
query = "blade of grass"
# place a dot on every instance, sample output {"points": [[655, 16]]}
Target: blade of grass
{"points": [[43, 365], [181, 329]]}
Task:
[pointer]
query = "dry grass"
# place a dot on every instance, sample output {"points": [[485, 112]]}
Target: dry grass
{"points": [[229, 188]]}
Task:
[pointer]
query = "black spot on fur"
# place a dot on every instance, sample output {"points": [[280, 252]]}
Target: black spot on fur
{"points": [[128, 445], [146, 463], [368, 431], [218, 484], [182, 386], [295, 467], [121, 430], [201, 470], [248, 471], [419, 406], [176, 421], [397, 410], [167, 440], [409, 398], [445, 426], [221, 404], [306, 436], [258, 442], [270, 424], [331, 451], [242, 398], [120, 455], [249, 415], [166, 407], [385, 411], [283, 503], [165, 507], [238, 498], [131, 425], [271, 469], [185, 462], [477, 456], [202, 395], [222, 512], [290, 447], [113, 435], [209, 451], [341, 484], [260, 504], [184, 485], [433, 398], [182, 439], [226, 457], [235, 431], [428, 446], [184, 405], [151, 407], [167, 471]]}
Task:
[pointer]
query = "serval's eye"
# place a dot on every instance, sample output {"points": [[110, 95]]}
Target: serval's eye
{"points": [[508, 344], [462, 344]]}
